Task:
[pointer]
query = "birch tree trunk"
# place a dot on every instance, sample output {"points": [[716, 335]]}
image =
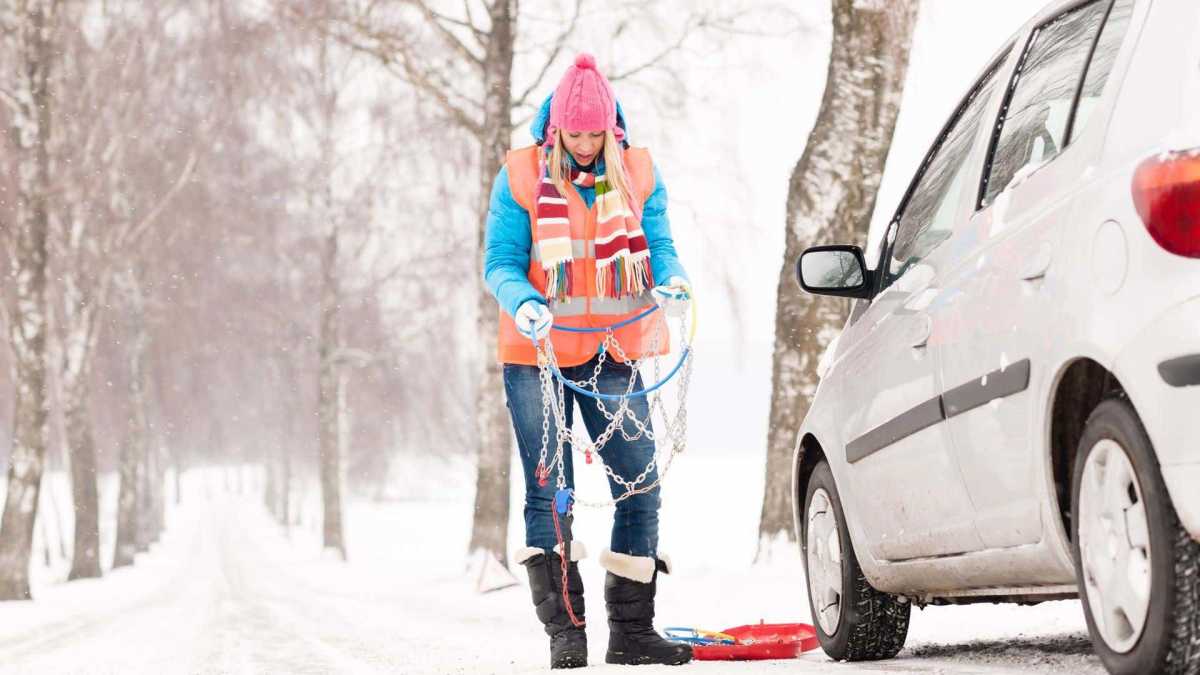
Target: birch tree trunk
{"points": [[285, 489], [133, 451], [31, 24], [281, 505], [270, 491], [489, 528], [127, 503], [81, 445], [155, 516], [831, 196], [81, 300], [147, 468], [329, 396]]}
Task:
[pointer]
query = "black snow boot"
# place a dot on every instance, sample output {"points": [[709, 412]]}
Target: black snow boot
{"points": [[629, 589], [568, 642]]}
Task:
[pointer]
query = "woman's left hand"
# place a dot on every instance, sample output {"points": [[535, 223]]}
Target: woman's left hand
{"points": [[674, 296]]}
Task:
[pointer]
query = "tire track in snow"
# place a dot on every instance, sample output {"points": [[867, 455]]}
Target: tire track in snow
{"points": [[46, 640], [205, 617], [244, 634], [366, 629]]}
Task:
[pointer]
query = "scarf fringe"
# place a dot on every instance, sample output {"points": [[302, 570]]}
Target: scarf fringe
{"points": [[624, 276], [558, 281]]}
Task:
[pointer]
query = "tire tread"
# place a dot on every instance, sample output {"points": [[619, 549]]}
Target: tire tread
{"points": [[874, 624], [884, 626], [1183, 654]]}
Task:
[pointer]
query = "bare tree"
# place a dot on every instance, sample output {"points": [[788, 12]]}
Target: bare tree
{"points": [[209, 312], [831, 196], [114, 165], [109, 203], [484, 52], [330, 388], [27, 34], [338, 185], [113, 185]]}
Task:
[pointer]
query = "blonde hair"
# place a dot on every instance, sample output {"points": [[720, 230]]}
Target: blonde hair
{"points": [[559, 165]]}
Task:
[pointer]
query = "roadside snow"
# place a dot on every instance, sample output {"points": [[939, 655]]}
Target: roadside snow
{"points": [[230, 591]]}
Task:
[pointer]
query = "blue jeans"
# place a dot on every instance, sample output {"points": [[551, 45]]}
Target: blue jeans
{"points": [[635, 524]]}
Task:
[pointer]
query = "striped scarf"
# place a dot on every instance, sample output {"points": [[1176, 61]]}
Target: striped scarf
{"points": [[622, 256]]}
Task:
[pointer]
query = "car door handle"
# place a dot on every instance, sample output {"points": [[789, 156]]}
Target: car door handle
{"points": [[920, 331], [1039, 264]]}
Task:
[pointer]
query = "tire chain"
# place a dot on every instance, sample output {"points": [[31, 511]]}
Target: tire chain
{"points": [[554, 406]]}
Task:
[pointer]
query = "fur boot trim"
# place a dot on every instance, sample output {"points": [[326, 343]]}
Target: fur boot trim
{"points": [[525, 554], [635, 567], [578, 550]]}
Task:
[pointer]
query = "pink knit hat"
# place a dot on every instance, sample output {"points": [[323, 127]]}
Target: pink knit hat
{"points": [[584, 101]]}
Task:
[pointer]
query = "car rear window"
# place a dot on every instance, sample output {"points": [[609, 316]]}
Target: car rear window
{"points": [[1032, 128], [1101, 65]]}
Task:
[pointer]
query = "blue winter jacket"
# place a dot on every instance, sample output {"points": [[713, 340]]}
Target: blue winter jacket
{"points": [[509, 237]]}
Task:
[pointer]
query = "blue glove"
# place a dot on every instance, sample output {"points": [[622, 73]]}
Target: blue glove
{"points": [[533, 320], [674, 296]]}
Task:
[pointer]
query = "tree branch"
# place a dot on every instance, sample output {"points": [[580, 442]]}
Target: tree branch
{"points": [[700, 22], [436, 20], [9, 99], [135, 232], [559, 43], [392, 52], [480, 35]]}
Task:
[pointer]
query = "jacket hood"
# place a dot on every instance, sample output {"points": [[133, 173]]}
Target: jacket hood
{"points": [[541, 121]]}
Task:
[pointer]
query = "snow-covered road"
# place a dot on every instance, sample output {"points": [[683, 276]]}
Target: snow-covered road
{"points": [[227, 591]]}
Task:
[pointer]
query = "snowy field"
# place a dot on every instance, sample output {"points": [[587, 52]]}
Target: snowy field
{"points": [[230, 591]]}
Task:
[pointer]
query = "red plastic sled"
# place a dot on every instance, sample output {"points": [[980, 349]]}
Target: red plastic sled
{"points": [[760, 642]]}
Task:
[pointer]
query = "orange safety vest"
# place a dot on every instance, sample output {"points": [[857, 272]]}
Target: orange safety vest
{"points": [[583, 309]]}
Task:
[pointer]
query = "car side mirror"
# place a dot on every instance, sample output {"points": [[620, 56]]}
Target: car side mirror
{"points": [[840, 271]]}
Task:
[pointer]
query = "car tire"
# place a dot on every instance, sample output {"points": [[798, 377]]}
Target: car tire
{"points": [[1115, 555], [870, 625]]}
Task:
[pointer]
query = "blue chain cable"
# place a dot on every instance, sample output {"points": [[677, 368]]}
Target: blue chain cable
{"points": [[615, 397]]}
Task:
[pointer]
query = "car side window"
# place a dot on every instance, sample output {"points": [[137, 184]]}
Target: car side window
{"points": [[1032, 128], [926, 218], [1101, 65]]}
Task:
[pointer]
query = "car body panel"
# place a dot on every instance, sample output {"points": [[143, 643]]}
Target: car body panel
{"points": [[890, 378]]}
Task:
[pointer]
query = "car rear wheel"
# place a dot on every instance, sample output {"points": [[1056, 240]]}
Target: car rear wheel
{"points": [[1138, 569], [854, 622]]}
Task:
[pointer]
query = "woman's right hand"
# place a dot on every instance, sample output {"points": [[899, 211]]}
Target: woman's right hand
{"points": [[534, 320]]}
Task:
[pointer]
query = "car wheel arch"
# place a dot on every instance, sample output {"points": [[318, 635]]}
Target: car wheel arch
{"points": [[809, 452], [1080, 385]]}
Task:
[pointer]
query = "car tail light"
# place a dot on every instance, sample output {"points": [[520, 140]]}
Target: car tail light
{"points": [[1166, 192]]}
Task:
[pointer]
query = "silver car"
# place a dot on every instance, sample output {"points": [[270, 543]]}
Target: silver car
{"points": [[1012, 411]]}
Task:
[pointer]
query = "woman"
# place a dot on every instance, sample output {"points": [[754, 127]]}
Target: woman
{"points": [[577, 234]]}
